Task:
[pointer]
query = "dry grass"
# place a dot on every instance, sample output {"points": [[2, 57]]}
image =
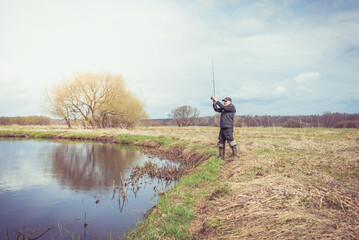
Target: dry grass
{"points": [[288, 184]]}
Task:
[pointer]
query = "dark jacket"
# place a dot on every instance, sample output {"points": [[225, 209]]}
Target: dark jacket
{"points": [[227, 114]]}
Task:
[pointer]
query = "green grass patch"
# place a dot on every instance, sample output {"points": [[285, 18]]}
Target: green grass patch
{"points": [[173, 215], [127, 138], [11, 133], [221, 191]]}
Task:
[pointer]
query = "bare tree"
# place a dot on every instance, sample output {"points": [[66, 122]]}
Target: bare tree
{"points": [[184, 116], [59, 104], [327, 119], [98, 99]]}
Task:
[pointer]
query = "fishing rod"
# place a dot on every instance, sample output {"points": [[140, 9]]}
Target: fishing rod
{"points": [[214, 86]]}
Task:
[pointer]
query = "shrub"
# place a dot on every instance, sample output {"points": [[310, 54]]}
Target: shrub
{"points": [[294, 124], [347, 124]]}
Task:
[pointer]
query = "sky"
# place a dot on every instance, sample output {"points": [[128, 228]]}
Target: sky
{"points": [[288, 57]]}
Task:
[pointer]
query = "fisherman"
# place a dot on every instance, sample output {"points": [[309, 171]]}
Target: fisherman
{"points": [[226, 126]]}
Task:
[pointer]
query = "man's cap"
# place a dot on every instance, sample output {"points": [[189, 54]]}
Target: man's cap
{"points": [[227, 99]]}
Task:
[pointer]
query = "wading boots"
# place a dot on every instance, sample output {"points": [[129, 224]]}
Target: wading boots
{"points": [[233, 146], [222, 150]]}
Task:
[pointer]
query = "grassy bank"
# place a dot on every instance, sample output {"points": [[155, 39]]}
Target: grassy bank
{"points": [[288, 183]]}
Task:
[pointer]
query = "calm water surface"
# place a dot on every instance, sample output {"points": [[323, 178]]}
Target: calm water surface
{"points": [[68, 187]]}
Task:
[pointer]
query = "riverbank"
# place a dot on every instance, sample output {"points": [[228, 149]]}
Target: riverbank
{"points": [[288, 183]]}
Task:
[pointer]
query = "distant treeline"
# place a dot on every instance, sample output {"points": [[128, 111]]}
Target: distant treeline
{"points": [[31, 120], [326, 120]]}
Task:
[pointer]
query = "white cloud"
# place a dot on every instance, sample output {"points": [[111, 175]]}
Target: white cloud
{"points": [[302, 89], [249, 91], [281, 90], [307, 77]]}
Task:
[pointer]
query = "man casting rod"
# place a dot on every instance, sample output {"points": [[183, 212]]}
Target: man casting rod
{"points": [[227, 111]]}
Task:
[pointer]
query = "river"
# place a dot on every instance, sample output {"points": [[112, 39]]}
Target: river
{"points": [[66, 188]]}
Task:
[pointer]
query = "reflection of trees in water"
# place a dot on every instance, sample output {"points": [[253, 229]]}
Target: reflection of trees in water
{"points": [[90, 166]]}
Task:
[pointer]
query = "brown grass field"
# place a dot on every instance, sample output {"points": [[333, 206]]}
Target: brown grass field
{"points": [[287, 184]]}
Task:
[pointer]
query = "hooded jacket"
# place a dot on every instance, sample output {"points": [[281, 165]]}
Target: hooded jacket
{"points": [[227, 114]]}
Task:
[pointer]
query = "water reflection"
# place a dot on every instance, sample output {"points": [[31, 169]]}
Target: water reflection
{"points": [[55, 184], [90, 166]]}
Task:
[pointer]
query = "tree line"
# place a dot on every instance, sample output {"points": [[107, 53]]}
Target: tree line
{"points": [[325, 120], [31, 120]]}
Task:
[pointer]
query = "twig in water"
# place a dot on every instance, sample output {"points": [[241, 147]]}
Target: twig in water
{"points": [[28, 236], [85, 224], [60, 230]]}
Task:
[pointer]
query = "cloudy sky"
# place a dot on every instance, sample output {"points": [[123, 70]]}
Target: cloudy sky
{"points": [[272, 57]]}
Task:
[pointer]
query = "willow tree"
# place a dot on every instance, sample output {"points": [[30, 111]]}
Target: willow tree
{"points": [[98, 99]]}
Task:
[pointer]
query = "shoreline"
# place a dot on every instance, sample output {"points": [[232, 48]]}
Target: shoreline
{"points": [[160, 146]]}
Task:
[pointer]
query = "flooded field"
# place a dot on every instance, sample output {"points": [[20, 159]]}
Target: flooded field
{"points": [[64, 189]]}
